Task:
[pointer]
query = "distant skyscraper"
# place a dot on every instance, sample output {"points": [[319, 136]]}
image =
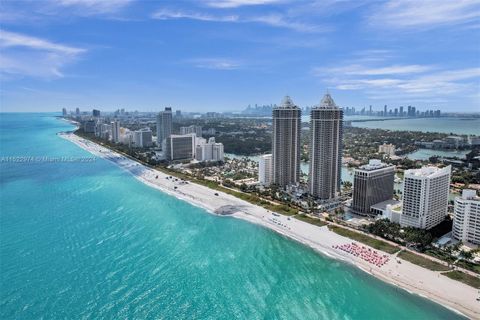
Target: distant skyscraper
{"points": [[115, 131], [192, 129], [142, 138], [372, 184], [385, 110], [401, 112], [287, 125], [89, 126], [326, 132], [265, 170], [64, 112], [77, 111], [466, 219], [425, 197], [164, 125], [96, 113]]}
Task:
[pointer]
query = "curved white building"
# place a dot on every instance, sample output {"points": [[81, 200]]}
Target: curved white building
{"points": [[466, 220]]}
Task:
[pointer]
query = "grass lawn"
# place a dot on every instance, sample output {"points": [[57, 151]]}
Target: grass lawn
{"points": [[463, 277], [374, 243], [311, 220], [469, 266], [422, 262]]}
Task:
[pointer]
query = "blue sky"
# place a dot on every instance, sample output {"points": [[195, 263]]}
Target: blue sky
{"points": [[207, 55]]}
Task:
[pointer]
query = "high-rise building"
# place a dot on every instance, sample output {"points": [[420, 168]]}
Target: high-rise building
{"points": [[208, 151], [192, 129], [466, 219], [77, 111], [180, 147], [372, 184], [89, 126], [401, 111], [115, 131], [385, 110], [164, 125], [425, 197], [64, 112], [142, 138], [326, 132], [287, 125], [265, 174], [96, 113], [103, 130]]}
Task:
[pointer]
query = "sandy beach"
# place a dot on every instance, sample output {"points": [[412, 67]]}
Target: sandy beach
{"points": [[415, 279]]}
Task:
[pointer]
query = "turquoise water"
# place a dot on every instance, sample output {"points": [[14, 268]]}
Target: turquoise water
{"points": [[86, 240]]}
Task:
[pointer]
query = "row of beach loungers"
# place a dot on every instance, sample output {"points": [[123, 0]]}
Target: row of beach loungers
{"points": [[364, 253]]}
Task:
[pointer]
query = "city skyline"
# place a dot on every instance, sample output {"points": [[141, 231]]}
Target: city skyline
{"points": [[225, 55]]}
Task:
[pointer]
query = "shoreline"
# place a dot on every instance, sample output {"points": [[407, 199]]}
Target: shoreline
{"points": [[451, 294]]}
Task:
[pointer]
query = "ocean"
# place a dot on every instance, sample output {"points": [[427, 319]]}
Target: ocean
{"points": [[84, 239]]}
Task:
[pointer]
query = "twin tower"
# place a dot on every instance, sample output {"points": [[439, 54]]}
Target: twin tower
{"points": [[326, 131]]}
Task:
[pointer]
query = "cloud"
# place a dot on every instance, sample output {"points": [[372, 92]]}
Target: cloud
{"points": [[216, 63], [30, 11], [412, 81], [273, 20], [94, 7], [425, 14], [388, 70], [24, 55], [238, 3], [166, 14], [11, 39]]}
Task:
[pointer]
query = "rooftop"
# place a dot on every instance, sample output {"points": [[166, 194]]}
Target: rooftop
{"points": [[383, 205], [427, 172], [327, 102], [287, 103], [374, 164]]}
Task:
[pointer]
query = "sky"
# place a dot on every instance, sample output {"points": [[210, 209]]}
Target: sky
{"points": [[206, 55]]}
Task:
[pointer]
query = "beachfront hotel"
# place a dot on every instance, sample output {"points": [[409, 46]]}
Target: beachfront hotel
{"points": [[164, 126], [326, 131], [141, 138], [425, 197], [180, 147], [466, 220], [286, 125], [265, 170], [372, 184], [115, 131]]}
